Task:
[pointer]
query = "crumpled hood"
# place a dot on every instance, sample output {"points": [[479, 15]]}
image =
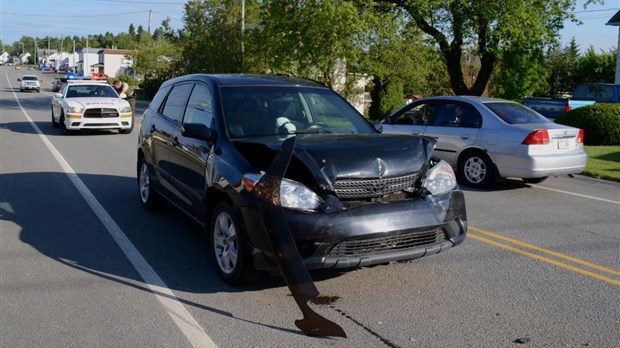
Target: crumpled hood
{"points": [[360, 156], [88, 103]]}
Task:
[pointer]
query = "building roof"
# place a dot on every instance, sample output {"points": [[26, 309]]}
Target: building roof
{"points": [[114, 51], [615, 20]]}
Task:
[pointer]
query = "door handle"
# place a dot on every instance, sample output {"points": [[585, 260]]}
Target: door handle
{"points": [[175, 141], [464, 138]]}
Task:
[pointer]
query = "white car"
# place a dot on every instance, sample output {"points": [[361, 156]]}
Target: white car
{"points": [[29, 82], [90, 105]]}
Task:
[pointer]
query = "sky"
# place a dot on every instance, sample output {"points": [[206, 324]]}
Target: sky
{"points": [[56, 18]]}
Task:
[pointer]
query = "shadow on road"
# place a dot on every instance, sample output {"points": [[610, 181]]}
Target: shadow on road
{"points": [[57, 222]]}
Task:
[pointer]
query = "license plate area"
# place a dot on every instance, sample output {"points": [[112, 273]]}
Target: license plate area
{"points": [[563, 143]]}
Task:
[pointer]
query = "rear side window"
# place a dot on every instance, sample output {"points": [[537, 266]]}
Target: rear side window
{"points": [[174, 107], [513, 113]]}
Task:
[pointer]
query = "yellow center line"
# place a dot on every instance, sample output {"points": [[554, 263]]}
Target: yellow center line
{"points": [[546, 251], [544, 259]]}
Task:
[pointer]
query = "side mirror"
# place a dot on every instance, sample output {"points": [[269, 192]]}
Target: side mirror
{"points": [[197, 131], [378, 127], [58, 95]]}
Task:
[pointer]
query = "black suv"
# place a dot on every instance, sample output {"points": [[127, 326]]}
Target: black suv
{"points": [[348, 195]]}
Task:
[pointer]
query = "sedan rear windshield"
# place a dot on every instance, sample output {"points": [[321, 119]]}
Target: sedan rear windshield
{"points": [[513, 113], [252, 111], [30, 78]]}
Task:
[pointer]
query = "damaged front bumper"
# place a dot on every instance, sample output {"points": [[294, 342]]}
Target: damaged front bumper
{"points": [[367, 235]]}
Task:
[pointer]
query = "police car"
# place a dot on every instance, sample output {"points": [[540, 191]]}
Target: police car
{"points": [[90, 105]]}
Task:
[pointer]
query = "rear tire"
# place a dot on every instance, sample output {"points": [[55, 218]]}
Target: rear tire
{"points": [[476, 170], [148, 196], [232, 263]]}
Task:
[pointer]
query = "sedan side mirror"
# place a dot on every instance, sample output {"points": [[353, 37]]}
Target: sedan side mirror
{"points": [[197, 131], [58, 95]]}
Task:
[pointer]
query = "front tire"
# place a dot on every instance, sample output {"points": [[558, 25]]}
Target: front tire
{"points": [[63, 126], [54, 123], [476, 170], [233, 265]]}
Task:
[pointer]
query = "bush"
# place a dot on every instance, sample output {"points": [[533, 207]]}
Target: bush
{"points": [[600, 122]]}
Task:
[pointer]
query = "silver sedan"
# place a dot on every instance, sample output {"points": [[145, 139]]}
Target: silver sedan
{"points": [[487, 139]]}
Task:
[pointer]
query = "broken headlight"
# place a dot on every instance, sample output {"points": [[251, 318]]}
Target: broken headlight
{"points": [[293, 195], [440, 179]]}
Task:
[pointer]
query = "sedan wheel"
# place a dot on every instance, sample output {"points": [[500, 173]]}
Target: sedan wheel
{"points": [[232, 264], [476, 170]]}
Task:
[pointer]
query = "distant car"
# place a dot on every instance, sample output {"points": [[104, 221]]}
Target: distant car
{"points": [[99, 76], [17, 67], [90, 105], [45, 68], [487, 139], [56, 85], [29, 83]]}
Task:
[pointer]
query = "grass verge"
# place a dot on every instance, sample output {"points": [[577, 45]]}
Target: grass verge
{"points": [[603, 162]]}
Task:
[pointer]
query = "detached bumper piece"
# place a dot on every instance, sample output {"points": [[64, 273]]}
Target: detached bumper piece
{"points": [[266, 194]]}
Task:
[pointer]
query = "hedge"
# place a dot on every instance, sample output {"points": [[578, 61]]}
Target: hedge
{"points": [[600, 123]]}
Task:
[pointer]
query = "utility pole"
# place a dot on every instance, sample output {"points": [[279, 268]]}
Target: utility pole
{"points": [[242, 32], [35, 52], [149, 30]]}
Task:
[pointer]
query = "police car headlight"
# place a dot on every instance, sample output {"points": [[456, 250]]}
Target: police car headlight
{"points": [[125, 110], [75, 110], [440, 179]]}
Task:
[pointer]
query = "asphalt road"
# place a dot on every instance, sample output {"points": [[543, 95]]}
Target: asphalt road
{"points": [[82, 264]]}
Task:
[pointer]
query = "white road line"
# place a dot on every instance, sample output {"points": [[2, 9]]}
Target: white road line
{"points": [[179, 314], [575, 194]]}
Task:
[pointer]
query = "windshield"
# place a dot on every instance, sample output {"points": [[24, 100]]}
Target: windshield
{"points": [[91, 91], [514, 113], [30, 78], [251, 111]]}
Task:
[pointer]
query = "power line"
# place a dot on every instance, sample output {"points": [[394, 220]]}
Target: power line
{"points": [[70, 16]]}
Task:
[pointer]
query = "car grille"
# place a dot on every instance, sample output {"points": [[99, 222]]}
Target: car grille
{"points": [[361, 247], [369, 188], [100, 113]]}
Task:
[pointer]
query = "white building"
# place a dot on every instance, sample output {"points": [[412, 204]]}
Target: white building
{"points": [[5, 57], [113, 62], [88, 59]]}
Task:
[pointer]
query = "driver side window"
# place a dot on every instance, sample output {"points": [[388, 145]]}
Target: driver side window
{"points": [[417, 115]]}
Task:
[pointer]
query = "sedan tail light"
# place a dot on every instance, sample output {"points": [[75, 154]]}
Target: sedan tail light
{"points": [[537, 137], [580, 136], [567, 108]]}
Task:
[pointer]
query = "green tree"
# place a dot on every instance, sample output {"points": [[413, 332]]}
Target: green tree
{"points": [[157, 61], [211, 36], [485, 28], [521, 73], [593, 67], [314, 38]]}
